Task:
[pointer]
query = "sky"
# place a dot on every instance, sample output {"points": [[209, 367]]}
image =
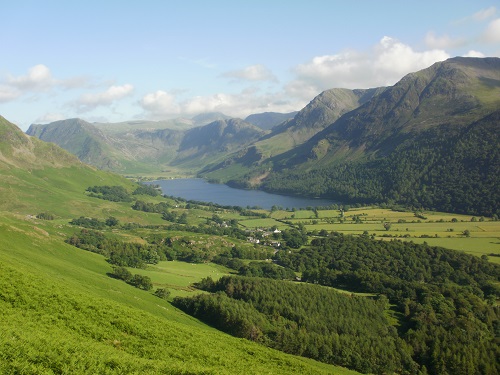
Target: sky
{"points": [[113, 61]]}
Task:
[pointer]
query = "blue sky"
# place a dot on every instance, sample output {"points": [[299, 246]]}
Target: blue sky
{"points": [[113, 61]]}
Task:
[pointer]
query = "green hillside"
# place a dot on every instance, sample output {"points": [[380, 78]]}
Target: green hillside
{"points": [[62, 313], [249, 166], [429, 141]]}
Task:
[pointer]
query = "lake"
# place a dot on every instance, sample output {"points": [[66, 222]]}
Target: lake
{"points": [[201, 190]]}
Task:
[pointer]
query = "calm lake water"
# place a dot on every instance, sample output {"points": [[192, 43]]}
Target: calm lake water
{"points": [[200, 190]]}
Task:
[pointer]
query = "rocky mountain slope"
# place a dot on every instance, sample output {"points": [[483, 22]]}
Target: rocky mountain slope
{"points": [[430, 140]]}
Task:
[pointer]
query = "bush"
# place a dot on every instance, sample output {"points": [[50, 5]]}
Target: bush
{"points": [[141, 282], [122, 273], [162, 293], [45, 216]]}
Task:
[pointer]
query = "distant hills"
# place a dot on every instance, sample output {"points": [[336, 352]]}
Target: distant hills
{"points": [[429, 141], [143, 147]]}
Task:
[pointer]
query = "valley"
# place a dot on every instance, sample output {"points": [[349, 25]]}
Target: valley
{"points": [[396, 269]]}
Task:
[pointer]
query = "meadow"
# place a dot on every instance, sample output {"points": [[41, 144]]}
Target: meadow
{"points": [[435, 228]]}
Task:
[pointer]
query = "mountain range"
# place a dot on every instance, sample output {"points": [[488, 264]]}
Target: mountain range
{"points": [[429, 141]]}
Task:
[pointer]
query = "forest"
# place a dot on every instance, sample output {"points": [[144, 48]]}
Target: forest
{"points": [[442, 304], [425, 171]]}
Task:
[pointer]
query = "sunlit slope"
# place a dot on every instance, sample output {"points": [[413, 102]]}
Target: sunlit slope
{"points": [[62, 313]]}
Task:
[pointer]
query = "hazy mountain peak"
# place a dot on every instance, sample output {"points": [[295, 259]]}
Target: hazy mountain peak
{"points": [[206, 118]]}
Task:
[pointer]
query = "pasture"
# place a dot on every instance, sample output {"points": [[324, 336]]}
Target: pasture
{"points": [[473, 235]]}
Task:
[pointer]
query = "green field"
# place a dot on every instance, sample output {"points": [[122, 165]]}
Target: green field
{"points": [[437, 229], [62, 313], [178, 277]]}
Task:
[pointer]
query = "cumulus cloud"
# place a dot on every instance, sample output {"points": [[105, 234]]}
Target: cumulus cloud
{"points": [[160, 105], [442, 42], [39, 77], [88, 102], [492, 32], [385, 64], [256, 72], [37, 80]]}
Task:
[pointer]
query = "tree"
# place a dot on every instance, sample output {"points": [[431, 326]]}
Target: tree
{"points": [[45, 216], [112, 221], [162, 293], [466, 233], [122, 273], [141, 282], [387, 226]]}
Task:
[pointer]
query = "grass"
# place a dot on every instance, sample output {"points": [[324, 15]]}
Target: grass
{"points": [[437, 228], [62, 314], [262, 223], [178, 277]]}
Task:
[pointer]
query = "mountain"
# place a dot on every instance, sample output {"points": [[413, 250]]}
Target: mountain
{"points": [[215, 140], [247, 167], [269, 120], [80, 138], [131, 126], [39, 176], [17, 150], [142, 146], [207, 118], [431, 140]]}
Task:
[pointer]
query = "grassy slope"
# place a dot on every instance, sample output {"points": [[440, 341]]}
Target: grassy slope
{"points": [[61, 313]]}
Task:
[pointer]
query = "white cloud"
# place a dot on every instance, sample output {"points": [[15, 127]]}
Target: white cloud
{"points": [[8, 93], [256, 72], [88, 102], [473, 53], [484, 14], [479, 16], [39, 77], [434, 42], [49, 117], [161, 105], [492, 32], [385, 64]]}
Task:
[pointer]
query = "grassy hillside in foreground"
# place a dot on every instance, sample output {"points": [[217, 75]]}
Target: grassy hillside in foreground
{"points": [[62, 313]]}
